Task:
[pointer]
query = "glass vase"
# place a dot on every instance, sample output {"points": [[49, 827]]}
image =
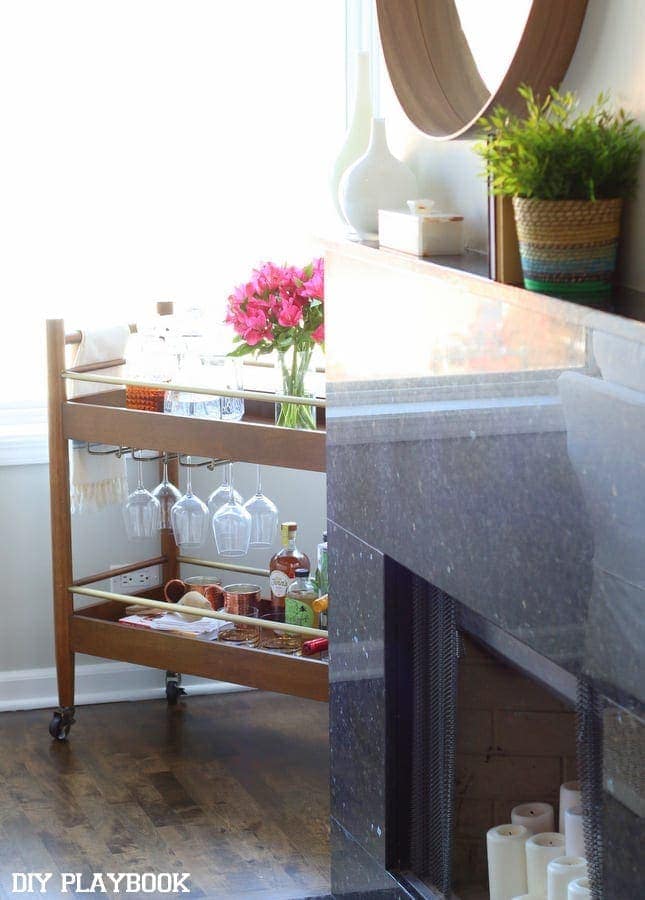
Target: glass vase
{"points": [[294, 380]]}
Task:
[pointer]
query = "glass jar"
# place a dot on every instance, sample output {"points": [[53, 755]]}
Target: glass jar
{"points": [[150, 358], [298, 605], [206, 370]]}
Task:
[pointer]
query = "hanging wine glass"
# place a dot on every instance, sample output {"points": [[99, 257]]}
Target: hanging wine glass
{"points": [[189, 517], [264, 517], [142, 511], [232, 525], [221, 494], [167, 495]]}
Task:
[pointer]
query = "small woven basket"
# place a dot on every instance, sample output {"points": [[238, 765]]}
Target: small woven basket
{"points": [[568, 246]]}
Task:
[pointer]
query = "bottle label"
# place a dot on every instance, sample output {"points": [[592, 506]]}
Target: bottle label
{"points": [[279, 583], [298, 613]]}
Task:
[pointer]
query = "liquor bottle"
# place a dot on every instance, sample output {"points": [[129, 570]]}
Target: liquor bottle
{"points": [[298, 607], [322, 576], [283, 566]]}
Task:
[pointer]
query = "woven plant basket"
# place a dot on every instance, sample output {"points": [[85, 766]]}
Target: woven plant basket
{"points": [[567, 246]]}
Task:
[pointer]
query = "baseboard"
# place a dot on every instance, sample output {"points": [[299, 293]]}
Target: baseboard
{"points": [[104, 682]]}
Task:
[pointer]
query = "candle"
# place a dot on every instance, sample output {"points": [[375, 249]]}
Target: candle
{"points": [[579, 889], [561, 872], [573, 832], [530, 897], [569, 796], [506, 861], [540, 850], [537, 817]]}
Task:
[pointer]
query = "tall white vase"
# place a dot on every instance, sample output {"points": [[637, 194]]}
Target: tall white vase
{"points": [[358, 134], [376, 181]]}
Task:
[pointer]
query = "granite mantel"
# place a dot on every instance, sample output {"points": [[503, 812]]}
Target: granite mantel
{"points": [[491, 441]]}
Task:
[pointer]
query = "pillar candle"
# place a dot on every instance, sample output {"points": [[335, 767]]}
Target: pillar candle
{"points": [[537, 817], [573, 832], [506, 861], [580, 889], [540, 850], [569, 796], [561, 872]]}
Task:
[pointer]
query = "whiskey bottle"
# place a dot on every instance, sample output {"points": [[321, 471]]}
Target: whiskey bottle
{"points": [[283, 565]]}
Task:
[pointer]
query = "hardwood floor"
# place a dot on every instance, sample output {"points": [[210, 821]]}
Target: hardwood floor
{"points": [[232, 788]]}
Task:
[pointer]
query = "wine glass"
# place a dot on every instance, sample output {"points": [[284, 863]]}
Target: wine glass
{"points": [[264, 517], [189, 517], [167, 495], [232, 525], [221, 494], [142, 511]]}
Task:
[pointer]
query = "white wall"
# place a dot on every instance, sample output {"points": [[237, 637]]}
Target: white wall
{"points": [[609, 57], [26, 632]]}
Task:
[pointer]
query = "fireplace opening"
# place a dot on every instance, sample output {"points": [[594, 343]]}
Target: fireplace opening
{"points": [[475, 741]]}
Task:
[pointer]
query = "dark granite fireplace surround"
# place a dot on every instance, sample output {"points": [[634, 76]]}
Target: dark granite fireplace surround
{"points": [[507, 471]]}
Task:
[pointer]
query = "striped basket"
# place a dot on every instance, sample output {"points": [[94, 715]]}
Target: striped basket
{"points": [[567, 246]]}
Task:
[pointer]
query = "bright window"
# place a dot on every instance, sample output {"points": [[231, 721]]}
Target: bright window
{"points": [[157, 149]]}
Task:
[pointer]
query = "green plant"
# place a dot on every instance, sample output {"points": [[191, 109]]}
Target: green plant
{"points": [[559, 153]]}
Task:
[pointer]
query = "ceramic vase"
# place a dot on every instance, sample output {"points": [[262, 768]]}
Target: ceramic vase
{"points": [[376, 181], [358, 134]]}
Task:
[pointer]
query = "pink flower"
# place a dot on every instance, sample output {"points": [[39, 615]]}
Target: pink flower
{"points": [[289, 314], [319, 334], [314, 287], [279, 297]]}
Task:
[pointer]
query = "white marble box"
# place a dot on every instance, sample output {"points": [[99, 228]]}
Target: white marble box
{"points": [[437, 234]]}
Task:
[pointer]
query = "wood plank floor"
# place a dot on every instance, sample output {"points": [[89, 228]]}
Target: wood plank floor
{"points": [[232, 788]]}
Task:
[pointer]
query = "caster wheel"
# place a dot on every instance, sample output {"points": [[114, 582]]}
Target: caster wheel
{"points": [[174, 690], [60, 724]]}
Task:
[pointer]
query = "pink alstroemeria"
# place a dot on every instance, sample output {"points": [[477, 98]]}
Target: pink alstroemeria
{"points": [[318, 334], [289, 314], [277, 305]]}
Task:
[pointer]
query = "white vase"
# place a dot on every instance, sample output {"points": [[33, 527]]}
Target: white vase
{"points": [[358, 134], [376, 181]]}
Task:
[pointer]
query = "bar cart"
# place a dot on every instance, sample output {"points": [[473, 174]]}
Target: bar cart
{"points": [[95, 629]]}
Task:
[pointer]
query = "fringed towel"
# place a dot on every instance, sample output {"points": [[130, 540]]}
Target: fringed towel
{"points": [[97, 481]]}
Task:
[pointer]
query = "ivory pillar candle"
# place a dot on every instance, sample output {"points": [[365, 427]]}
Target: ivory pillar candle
{"points": [[561, 872], [540, 850], [569, 796], [580, 889], [537, 817], [506, 861], [573, 832]]}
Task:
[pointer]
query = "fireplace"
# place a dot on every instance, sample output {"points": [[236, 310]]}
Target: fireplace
{"points": [[485, 508], [472, 734]]}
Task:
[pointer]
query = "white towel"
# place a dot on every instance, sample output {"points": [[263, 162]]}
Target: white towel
{"points": [[204, 627], [97, 481]]}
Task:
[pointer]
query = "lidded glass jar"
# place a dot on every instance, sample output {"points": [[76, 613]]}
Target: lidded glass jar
{"points": [[150, 357]]}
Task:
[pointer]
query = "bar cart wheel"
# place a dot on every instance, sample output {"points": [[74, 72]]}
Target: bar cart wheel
{"points": [[174, 690], [61, 722]]}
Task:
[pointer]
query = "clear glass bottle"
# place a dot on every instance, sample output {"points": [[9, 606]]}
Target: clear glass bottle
{"points": [[301, 595], [283, 566], [322, 576]]}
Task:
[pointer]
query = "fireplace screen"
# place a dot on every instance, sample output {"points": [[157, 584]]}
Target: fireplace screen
{"points": [[474, 743]]}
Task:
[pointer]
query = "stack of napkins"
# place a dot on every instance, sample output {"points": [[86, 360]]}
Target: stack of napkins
{"points": [[207, 629]]}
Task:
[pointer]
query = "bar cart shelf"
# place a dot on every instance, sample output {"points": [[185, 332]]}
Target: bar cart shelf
{"points": [[103, 418]]}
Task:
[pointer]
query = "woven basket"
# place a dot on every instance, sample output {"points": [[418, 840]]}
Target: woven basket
{"points": [[567, 246]]}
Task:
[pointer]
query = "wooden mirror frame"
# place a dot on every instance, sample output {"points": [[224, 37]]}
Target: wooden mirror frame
{"points": [[435, 76]]}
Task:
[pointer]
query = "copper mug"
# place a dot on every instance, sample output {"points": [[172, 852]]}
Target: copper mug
{"points": [[208, 587], [241, 599]]}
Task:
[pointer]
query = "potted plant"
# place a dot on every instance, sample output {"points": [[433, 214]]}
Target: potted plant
{"points": [[281, 309], [568, 173]]}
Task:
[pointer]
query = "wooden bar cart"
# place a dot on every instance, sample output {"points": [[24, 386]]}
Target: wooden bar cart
{"points": [[95, 629]]}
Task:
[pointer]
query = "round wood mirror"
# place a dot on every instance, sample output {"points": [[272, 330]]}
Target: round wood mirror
{"points": [[451, 60]]}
